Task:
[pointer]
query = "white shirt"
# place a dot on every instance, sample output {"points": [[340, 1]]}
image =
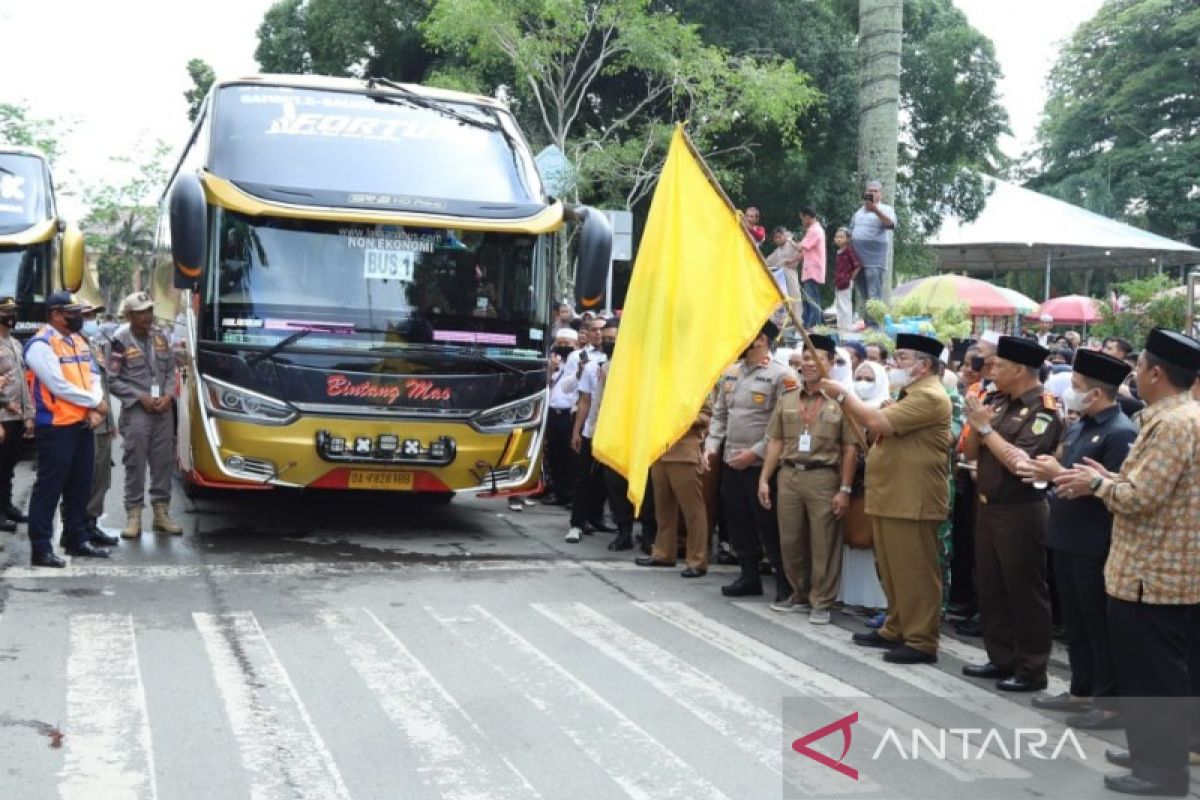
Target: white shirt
{"points": [[564, 389], [594, 356], [591, 384], [871, 239], [40, 358]]}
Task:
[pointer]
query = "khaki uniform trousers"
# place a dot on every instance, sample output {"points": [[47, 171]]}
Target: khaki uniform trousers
{"points": [[810, 537], [906, 552], [101, 475], [149, 441], [679, 492]]}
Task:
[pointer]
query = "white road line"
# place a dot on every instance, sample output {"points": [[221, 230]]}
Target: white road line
{"points": [[637, 762], [306, 569], [107, 747], [428, 714], [811, 682], [754, 730], [927, 678], [282, 751], [973, 654]]}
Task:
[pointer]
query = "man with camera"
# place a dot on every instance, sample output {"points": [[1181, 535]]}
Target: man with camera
{"points": [[871, 230]]}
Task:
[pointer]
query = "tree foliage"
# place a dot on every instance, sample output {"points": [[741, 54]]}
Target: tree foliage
{"points": [[19, 127], [1119, 130], [1143, 304], [202, 76]]}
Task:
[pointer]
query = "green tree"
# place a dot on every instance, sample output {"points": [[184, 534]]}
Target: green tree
{"points": [[1118, 133], [20, 127], [361, 38], [202, 76], [1146, 303]]}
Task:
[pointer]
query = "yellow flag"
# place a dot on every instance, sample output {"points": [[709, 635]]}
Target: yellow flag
{"points": [[699, 295]]}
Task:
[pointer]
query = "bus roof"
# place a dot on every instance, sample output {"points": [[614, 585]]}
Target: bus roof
{"points": [[21, 150], [355, 85]]}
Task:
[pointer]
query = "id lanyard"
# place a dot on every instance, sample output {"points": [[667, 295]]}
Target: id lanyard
{"points": [[807, 416]]}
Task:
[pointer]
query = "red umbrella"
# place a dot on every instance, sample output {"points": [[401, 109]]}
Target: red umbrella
{"points": [[942, 291], [1072, 309]]}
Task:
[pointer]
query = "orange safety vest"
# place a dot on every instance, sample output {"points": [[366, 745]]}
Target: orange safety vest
{"points": [[75, 358]]}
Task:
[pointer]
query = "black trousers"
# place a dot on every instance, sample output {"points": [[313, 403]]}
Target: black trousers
{"points": [[962, 539], [10, 454], [65, 455], [648, 517], [753, 529], [560, 459], [1079, 581], [588, 501], [617, 491], [1151, 645]]}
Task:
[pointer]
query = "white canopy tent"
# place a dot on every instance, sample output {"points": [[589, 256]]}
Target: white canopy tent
{"points": [[1022, 229]]}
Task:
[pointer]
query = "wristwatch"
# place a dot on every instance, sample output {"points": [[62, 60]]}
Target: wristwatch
{"points": [[840, 398], [984, 430], [846, 489], [1095, 485]]}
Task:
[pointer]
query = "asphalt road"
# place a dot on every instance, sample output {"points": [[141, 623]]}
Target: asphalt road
{"points": [[371, 646]]}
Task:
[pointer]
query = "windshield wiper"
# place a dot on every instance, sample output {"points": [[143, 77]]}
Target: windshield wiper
{"points": [[405, 95], [460, 354], [282, 344]]}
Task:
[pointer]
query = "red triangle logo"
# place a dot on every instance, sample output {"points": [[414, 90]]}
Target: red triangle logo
{"points": [[801, 745]]}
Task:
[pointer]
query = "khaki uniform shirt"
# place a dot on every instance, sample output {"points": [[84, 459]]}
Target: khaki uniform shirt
{"points": [[908, 472], [746, 399], [16, 391], [814, 414], [1030, 423], [135, 365]]}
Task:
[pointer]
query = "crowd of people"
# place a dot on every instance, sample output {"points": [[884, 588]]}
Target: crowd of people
{"points": [[1016, 482], [58, 390]]}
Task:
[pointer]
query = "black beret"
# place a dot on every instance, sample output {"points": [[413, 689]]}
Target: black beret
{"points": [[823, 342], [1101, 367], [1021, 351], [922, 344], [1174, 348], [770, 330]]}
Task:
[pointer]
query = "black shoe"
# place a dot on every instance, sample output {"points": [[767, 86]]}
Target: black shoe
{"points": [[743, 588], [1127, 784], [47, 560], [692, 572], [1096, 720], [1015, 683], [873, 639], [102, 539], [624, 541], [15, 514], [601, 526], [988, 670], [647, 561], [972, 627], [86, 550], [1061, 702], [961, 610], [1121, 758], [908, 655], [726, 558], [7, 525]]}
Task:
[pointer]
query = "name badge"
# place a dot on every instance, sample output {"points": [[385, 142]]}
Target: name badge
{"points": [[155, 392], [804, 445]]}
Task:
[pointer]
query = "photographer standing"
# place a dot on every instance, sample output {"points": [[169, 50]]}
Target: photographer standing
{"points": [[871, 232]]}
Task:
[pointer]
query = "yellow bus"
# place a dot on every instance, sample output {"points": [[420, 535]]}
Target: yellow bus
{"points": [[39, 251], [364, 274]]}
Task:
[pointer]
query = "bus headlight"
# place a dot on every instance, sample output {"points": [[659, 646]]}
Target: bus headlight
{"points": [[517, 414], [226, 400]]}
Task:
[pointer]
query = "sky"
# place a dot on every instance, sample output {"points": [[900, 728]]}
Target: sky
{"points": [[117, 69]]}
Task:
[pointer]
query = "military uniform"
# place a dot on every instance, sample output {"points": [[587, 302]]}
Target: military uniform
{"points": [[138, 368], [16, 411], [1010, 541], [102, 466], [746, 399], [813, 430]]}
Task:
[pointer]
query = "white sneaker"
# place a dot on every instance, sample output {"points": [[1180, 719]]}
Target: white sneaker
{"points": [[574, 535], [790, 606], [819, 616]]}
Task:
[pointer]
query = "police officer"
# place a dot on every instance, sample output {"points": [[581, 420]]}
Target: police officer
{"points": [[1080, 529], [811, 438], [908, 497], [1010, 519], [16, 413], [102, 464], [68, 404], [750, 390], [141, 373]]}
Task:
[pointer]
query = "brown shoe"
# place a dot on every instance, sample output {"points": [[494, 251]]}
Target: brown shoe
{"points": [[133, 523], [163, 522]]}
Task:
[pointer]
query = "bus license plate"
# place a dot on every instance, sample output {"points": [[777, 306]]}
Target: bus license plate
{"points": [[395, 481]]}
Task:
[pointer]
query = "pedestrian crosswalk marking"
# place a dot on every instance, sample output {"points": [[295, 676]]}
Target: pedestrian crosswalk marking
{"points": [[282, 752], [972, 654], [108, 752], [637, 762], [809, 681], [745, 725], [930, 680], [422, 708]]}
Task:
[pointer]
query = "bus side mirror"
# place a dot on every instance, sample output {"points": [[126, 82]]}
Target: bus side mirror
{"points": [[72, 257], [189, 230], [594, 257]]}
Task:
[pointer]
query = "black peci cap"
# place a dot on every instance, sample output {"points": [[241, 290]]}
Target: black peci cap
{"points": [[1021, 351], [770, 330], [1174, 348], [922, 344], [1101, 367], [823, 342]]}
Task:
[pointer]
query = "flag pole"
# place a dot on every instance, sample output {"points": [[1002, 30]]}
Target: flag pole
{"points": [[716, 184]]}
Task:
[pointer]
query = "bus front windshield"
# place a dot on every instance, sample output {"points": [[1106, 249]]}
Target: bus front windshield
{"points": [[353, 286], [24, 192]]}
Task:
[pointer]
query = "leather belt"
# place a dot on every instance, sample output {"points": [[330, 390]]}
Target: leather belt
{"points": [[804, 467], [560, 411]]}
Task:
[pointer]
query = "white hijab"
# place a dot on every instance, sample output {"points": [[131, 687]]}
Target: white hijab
{"points": [[882, 391]]}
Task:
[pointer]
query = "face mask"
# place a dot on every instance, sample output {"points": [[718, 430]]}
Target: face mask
{"points": [[864, 389], [90, 328], [74, 324], [900, 377], [564, 352], [1075, 401], [8, 322], [608, 348]]}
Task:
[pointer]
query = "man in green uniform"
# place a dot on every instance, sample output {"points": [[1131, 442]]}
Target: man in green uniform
{"points": [[907, 497]]}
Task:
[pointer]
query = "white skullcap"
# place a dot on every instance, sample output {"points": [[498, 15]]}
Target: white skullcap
{"points": [[570, 334]]}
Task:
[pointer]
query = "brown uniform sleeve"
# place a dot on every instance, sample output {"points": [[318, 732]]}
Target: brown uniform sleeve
{"points": [[915, 411]]}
